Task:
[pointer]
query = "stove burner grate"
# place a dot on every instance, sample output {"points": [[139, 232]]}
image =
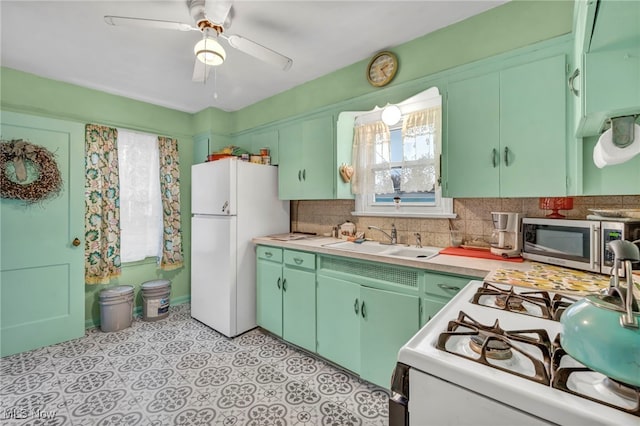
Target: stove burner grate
{"points": [[561, 377], [491, 342], [511, 301]]}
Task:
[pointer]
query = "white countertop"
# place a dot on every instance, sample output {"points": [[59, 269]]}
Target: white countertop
{"points": [[526, 274], [459, 265]]}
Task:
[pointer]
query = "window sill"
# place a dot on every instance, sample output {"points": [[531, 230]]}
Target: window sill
{"points": [[434, 215]]}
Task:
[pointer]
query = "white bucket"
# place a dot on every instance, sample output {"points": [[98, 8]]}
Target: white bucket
{"points": [[116, 308], [155, 299]]}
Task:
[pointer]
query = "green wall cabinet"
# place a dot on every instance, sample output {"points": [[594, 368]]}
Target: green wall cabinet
{"points": [[502, 126], [267, 139], [338, 321], [306, 160], [607, 54], [286, 295], [473, 136]]}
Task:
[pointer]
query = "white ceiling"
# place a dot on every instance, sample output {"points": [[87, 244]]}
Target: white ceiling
{"points": [[69, 41]]}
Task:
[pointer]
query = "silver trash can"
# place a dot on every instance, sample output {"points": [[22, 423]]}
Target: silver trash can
{"points": [[116, 308], [155, 299]]}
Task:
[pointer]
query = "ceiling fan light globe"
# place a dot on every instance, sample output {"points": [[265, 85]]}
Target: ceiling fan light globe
{"points": [[210, 52]]}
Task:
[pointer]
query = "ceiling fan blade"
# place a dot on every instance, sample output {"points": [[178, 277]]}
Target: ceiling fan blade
{"points": [[218, 12], [200, 71], [126, 21], [258, 51]]}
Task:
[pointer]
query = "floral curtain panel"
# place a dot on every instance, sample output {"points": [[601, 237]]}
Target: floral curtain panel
{"points": [[420, 139], [102, 210], [172, 257], [371, 155]]}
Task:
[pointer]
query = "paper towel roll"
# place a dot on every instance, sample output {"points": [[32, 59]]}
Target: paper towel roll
{"points": [[606, 153]]}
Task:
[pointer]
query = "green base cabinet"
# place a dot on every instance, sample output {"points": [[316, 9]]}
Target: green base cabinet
{"points": [[269, 289], [285, 295], [438, 290], [430, 307], [388, 321], [339, 321], [357, 314], [299, 303], [362, 328]]}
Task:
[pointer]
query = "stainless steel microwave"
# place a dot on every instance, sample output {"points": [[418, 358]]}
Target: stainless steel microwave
{"points": [[578, 244]]}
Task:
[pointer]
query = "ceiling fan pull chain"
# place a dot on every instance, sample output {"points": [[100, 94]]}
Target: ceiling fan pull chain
{"points": [[215, 83]]}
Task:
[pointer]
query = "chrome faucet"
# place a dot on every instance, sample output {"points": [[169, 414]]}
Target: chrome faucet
{"points": [[393, 238], [418, 240]]}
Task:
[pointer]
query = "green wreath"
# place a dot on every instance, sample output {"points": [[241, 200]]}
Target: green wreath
{"points": [[28, 172]]}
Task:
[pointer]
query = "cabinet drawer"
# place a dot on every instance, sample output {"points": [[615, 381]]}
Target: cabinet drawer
{"points": [[300, 259], [269, 253], [444, 285]]}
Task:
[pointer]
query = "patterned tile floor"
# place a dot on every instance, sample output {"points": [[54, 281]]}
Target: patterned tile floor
{"points": [[179, 372]]}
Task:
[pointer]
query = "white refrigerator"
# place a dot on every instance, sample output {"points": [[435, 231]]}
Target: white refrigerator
{"points": [[231, 202]]}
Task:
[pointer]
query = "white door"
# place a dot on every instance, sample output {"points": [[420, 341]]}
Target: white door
{"points": [[213, 187], [213, 272], [41, 269]]}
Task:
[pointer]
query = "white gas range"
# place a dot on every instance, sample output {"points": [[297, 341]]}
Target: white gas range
{"points": [[492, 356]]}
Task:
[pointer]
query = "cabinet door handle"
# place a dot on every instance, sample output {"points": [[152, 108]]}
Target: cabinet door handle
{"points": [[572, 77], [225, 205], [284, 284], [304, 174], [268, 254], [356, 307], [297, 260], [278, 284], [300, 175], [494, 157], [449, 287], [506, 156], [76, 242], [362, 310]]}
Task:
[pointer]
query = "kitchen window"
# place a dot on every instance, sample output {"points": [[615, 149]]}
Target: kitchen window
{"points": [[141, 225], [397, 166]]}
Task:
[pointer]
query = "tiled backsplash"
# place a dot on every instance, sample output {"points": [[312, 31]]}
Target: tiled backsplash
{"points": [[474, 217]]}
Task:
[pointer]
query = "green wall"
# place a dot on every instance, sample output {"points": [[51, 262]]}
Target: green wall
{"points": [[36, 96], [516, 24]]}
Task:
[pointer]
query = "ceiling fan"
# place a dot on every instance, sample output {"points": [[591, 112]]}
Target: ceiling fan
{"points": [[208, 50]]}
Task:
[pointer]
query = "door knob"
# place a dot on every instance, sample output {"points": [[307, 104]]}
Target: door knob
{"points": [[75, 242]]}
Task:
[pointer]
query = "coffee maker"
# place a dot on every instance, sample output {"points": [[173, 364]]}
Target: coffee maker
{"points": [[507, 226]]}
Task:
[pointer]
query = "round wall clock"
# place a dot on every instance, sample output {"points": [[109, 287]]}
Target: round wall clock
{"points": [[382, 68]]}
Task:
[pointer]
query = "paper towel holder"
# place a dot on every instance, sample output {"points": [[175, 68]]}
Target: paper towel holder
{"points": [[619, 143]]}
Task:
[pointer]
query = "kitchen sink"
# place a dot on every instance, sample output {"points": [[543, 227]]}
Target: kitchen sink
{"points": [[371, 247], [414, 253]]}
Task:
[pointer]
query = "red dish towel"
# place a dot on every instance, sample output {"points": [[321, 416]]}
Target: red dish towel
{"points": [[483, 254]]}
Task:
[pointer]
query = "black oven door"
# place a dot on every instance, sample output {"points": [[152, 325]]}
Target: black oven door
{"points": [[399, 399]]}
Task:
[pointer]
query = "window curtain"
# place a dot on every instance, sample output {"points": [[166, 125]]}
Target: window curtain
{"points": [[371, 155], [420, 138], [102, 205], [172, 257]]}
